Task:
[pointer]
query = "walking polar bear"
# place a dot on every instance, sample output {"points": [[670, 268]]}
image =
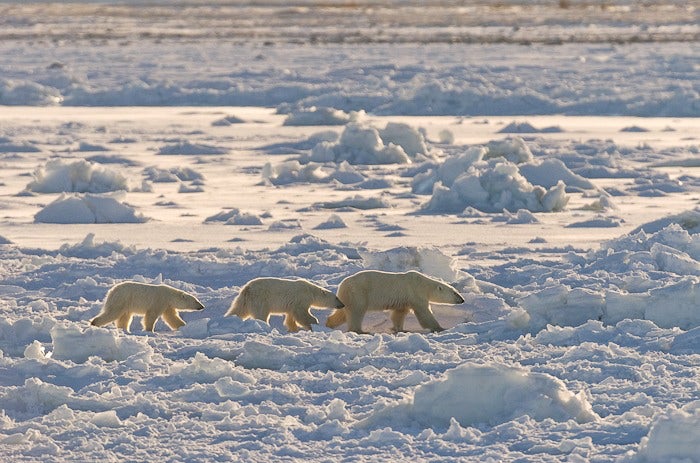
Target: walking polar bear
{"points": [[130, 298], [372, 290], [264, 296]]}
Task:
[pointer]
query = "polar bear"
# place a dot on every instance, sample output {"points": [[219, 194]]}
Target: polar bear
{"points": [[372, 290], [128, 298], [264, 296]]}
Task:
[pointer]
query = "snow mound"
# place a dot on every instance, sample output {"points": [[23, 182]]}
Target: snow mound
{"points": [[79, 176], [411, 140], [497, 394], [673, 436], [492, 187], [550, 171], [514, 149], [227, 121], [687, 220], [526, 127], [88, 208], [188, 148], [70, 342], [334, 221], [320, 116], [174, 174], [360, 144], [428, 260], [235, 217], [355, 202], [28, 93], [293, 171]]}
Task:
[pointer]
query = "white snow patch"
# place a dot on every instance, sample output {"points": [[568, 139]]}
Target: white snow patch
{"points": [[88, 208]]}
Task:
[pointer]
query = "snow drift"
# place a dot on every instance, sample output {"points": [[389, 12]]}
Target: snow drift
{"points": [[88, 208]]}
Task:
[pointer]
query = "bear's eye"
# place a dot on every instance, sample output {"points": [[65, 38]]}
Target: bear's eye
{"points": [[439, 288]]}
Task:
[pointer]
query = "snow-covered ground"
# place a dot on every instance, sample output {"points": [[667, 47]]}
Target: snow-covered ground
{"points": [[550, 174]]}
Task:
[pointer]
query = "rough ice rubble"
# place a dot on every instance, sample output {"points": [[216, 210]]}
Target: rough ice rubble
{"points": [[76, 176], [397, 143], [498, 176], [654, 277], [673, 436], [88, 208], [493, 187]]}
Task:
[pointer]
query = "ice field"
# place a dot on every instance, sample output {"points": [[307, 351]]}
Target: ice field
{"points": [[543, 158]]}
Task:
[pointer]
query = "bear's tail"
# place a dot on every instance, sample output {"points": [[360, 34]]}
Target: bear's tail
{"points": [[337, 318]]}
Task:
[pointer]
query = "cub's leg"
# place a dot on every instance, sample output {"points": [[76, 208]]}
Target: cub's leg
{"points": [[124, 322], [304, 318], [397, 318], [426, 318], [172, 319]]}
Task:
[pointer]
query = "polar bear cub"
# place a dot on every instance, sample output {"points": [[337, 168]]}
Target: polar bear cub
{"points": [[372, 290], [264, 296], [130, 298]]}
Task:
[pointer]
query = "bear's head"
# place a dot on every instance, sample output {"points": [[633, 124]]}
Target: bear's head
{"points": [[188, 302], [445, 294]]}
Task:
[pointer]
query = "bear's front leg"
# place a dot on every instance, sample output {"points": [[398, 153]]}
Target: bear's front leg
{"points": [[355, 317], [426, 318], [124, 322], [149, 321], [172, 319]]}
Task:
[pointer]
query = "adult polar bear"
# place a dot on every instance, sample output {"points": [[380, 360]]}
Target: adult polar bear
{"points": [[264, 296], [131, 298], [372, 290]]}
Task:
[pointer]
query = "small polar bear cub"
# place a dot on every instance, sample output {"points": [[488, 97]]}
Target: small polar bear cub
{"points": [[130, 298], [264, 296], [372, 290]]}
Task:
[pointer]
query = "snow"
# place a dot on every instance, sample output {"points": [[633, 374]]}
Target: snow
{"points": [[88, 208], [540, 159], [78, 176]]}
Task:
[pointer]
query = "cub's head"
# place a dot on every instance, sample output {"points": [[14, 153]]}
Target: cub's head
{"points": [[187, 302], [445, 294], [325, 298]]}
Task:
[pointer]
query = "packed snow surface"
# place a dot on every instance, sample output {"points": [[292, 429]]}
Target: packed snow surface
{"points": [[496, 146]]}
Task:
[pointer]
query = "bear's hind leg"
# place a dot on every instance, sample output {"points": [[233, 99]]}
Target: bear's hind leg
{"points": [[172, 319], [336, 318], [397, 319], [124, 322]]}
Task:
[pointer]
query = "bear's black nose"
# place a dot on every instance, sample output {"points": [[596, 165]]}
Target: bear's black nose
{"points": [[339, 304]]}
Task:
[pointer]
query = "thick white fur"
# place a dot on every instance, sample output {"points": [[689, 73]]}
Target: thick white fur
{"points": [[372, 290], [130, 298], [264, 296]]}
